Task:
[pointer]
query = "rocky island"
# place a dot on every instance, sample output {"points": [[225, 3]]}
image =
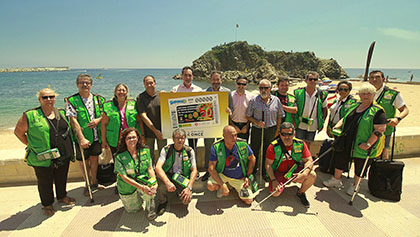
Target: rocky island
{"points": [[34, 69], [240, 58]]}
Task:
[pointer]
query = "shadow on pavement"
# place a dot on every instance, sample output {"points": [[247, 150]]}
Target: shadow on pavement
{"points": [[287, 199], [215, 206]]}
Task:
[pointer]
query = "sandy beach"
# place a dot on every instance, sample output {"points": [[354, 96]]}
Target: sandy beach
{"points": [[409, 92]]}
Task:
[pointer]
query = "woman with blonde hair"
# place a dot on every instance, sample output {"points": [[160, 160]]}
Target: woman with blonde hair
{"points": [[46, 132]]}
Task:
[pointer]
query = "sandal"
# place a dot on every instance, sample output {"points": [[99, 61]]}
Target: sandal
{"points": [[67, 200], [48, 210]]}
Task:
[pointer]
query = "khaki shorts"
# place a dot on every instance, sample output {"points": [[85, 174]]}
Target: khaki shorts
{"points": [[237, 184]]}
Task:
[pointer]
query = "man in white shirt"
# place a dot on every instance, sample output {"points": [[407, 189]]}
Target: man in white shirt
{"points": [[390, 100]]}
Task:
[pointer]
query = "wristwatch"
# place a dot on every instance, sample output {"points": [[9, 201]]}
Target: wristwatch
{"points": [[189, 188], [399, 119]]}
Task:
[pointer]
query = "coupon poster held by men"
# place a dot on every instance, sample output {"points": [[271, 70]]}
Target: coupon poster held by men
{"points": [[201, 114]]}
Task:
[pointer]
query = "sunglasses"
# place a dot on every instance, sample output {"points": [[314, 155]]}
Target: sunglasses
{"points": [[48, 97], [343, 89], [132, 138], [84, 82], [313, 79], [286, 134], [241, 84], [264, 87]]}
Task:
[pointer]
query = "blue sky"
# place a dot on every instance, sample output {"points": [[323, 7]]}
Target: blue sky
{"points": [[171, 34]]}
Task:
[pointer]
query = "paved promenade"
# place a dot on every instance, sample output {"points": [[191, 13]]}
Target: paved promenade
{"points": [[329, 214]]}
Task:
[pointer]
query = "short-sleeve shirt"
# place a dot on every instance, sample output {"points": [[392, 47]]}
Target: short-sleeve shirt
{"points": [[71, 112], [398, 102], [272, 110], [151, 106], [177, 167], [233, 167], [287, 161]]}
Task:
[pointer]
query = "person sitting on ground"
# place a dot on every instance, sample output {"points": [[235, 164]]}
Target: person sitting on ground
{"points": [[176, 170], [136, 177], [286, 157], [231, 161]]}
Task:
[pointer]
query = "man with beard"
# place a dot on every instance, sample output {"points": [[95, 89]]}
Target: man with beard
{"points": [[265, 112]]}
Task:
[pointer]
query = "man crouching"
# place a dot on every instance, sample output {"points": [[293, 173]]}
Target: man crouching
{"points": [[286, 156], [231, 161], [176, 170]]}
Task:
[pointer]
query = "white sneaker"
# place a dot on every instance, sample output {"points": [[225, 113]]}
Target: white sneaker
{"points": [[333, 183], [350, 190], [219, 193]]}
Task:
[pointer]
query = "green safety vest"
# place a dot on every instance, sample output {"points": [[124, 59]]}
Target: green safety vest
{"points": [[83, 115], [300, 102], [114, 125], [297, 151], [242, 148], [364, 131], [140, 166], [385, 99], [170, 159], [39, 136], [345, 108], [290, 102]]}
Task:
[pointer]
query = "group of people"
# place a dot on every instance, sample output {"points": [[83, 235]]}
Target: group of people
{"points": [[282, 126]]}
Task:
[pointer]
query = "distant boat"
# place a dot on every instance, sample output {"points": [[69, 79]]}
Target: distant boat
{"points": [[99, 76]]}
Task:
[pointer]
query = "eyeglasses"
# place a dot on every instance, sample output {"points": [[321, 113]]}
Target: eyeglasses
{"points": [[84, 82], [264, 87], [286, 134], [241, 84], [132, 138], [313, 79], [48, 97], [343, 89]]}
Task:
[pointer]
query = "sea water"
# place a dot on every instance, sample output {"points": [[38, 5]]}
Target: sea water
{"points": [[18, 89]]}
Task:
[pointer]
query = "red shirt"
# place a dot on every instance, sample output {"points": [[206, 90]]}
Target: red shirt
{"points": [[287, 162]]}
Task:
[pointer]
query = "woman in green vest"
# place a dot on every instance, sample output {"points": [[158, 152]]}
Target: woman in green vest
{"points": [[136, 179], [341, 106], [362, 128], [119, 113], [47, 134]]}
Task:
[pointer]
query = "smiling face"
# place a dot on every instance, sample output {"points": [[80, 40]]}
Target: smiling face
{"points": [[131, 139], [343, 90], [187, 76], [312, 80], [121, 92], [84, 84], [149, 84], [283, 87]]}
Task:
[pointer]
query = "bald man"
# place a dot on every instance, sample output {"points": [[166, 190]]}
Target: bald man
{"points": [[231, 161]]}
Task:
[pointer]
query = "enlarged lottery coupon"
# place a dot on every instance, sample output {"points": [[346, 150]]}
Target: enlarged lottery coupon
{"points": [[194, 111]]}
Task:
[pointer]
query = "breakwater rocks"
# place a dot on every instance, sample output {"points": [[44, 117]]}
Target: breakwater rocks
{"points": [[240, 58], [34, 69]]}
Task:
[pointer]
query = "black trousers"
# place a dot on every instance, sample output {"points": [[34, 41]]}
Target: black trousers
{"points": [[46, 176], [256, 136], [242, 135]]}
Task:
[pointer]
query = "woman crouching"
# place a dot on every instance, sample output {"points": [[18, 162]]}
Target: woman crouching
{"points": [[136, 179]]}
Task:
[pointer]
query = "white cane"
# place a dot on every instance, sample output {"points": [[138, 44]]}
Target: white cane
{"points": [[356, 189], [86, 173], [261, 183]]}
